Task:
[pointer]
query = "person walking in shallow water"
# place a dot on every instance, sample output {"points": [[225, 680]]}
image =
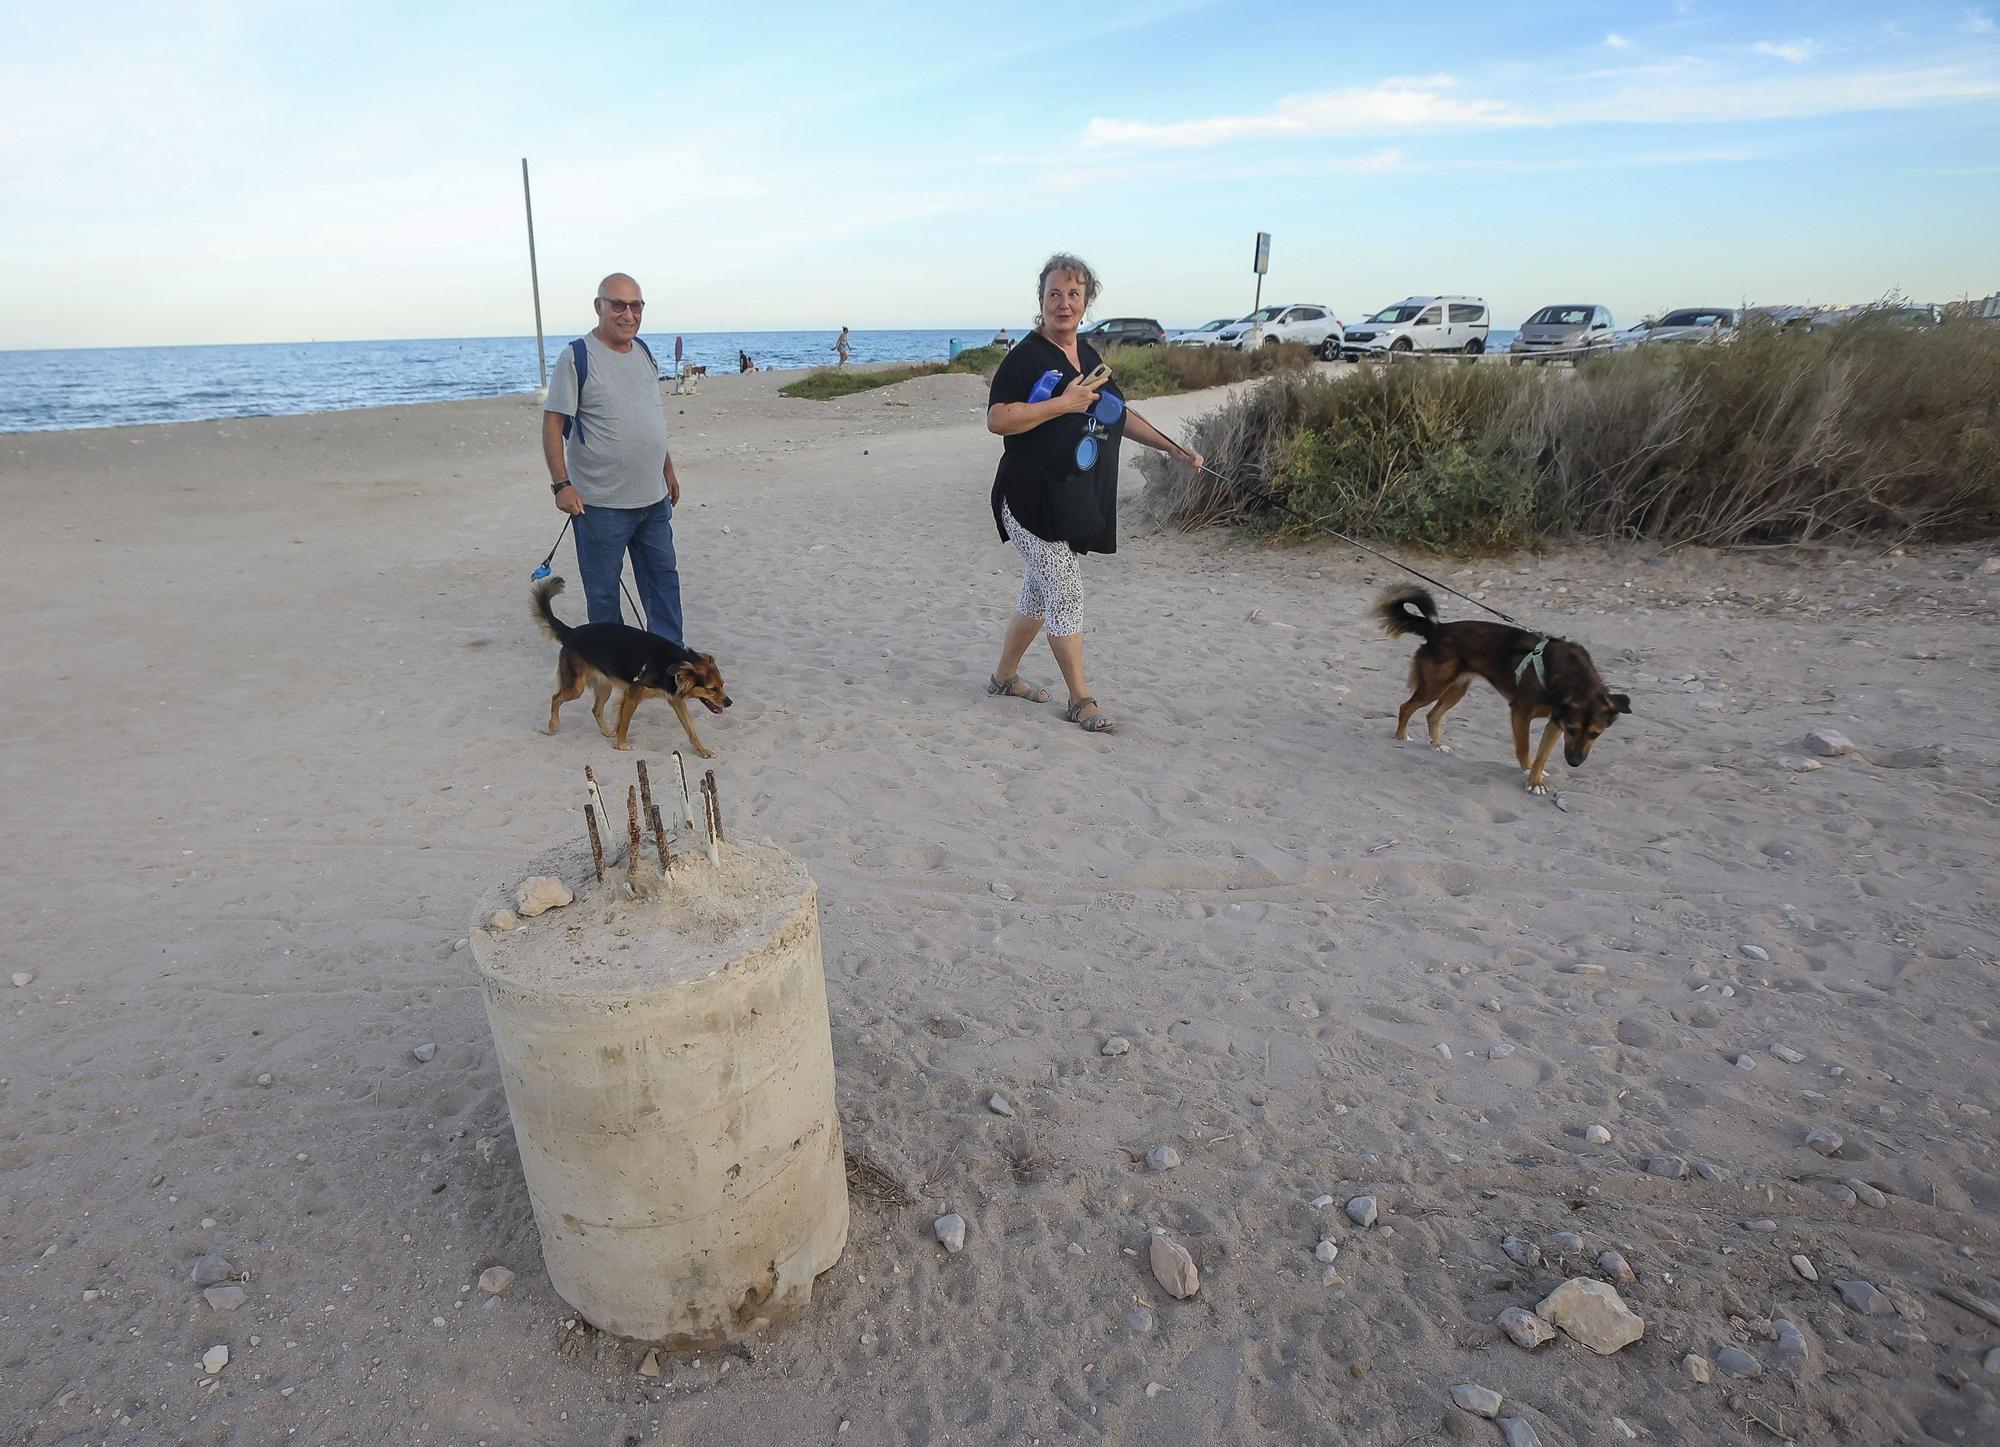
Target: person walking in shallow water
{"points": [[840, 347], [1055, 494]]}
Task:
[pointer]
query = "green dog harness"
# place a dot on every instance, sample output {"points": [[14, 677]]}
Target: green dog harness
{"points": [[1534, 660]]}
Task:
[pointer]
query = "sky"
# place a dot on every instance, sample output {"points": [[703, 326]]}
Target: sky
{"points": [[214, 171]]}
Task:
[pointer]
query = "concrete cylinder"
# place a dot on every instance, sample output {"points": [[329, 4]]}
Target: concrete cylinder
{"points": [[669, 1068]]}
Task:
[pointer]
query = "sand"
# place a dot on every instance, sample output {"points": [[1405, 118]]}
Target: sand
{"points": [[271, 734]]}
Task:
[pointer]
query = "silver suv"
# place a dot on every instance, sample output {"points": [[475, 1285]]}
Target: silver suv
{"points": [[1567, 333]]}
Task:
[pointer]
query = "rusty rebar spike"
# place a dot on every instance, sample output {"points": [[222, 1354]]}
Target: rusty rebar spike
{"points": [[687, 802], [709, 780], [714, 838], [596, 844], [632, 823], [645, 791], [659, 838]]}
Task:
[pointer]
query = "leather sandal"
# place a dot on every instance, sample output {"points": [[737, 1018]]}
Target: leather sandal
{"points": [[1012, 687], [1095, 724]]}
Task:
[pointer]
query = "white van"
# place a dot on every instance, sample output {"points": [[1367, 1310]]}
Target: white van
{"points": [[1421, 324]]}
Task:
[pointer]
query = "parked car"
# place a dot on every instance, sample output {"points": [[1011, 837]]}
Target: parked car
{"points": [[1312, 324], [1201, 336], [1124, 332], [1570, 331], [1693, 324], [1422, 324]]}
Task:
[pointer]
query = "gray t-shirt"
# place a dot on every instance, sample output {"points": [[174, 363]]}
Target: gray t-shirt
{"points": [[618, 450]]}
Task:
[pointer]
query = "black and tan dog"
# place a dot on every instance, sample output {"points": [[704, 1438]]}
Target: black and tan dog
{"points": [[604, 656], [1539, 676]]}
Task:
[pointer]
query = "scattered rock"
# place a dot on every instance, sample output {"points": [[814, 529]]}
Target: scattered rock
{"points": [[1868, 1194], [487, 1148], [1500, 1051], [1516, 1432], [1361, 1211], [1615, 1266], [1478, 1400], [210, 1270], [23, 979], [1792, 1349], [1591, 1313], [1520, 1251], [1583, 967], [1325, 1251], [1708, 1170], [1597, 1135], [1861, 1296], [1162, 1158], [225, 1298], [1805, 1268], [1623, 1429], [1567, 1242], [502, 920], [1829, 743], [495, 1279], [1826, 1141], [426, 1051], [541, 894], [1841, 1193], [214, 1359], [649, 1365], [1672, 1167], [1442, 1049], [1762, 1223], [950, 1231], [1320, 1203], [1798, 765], [998, 1105], [1116, 1045], [1002, 890], [1696, 1368], [1140, 1320], [264, 1079], [1738, 1363], [1173, 1267], [1755, 952], [1744, 1062], [1524, 1328], [1785, 1053]]}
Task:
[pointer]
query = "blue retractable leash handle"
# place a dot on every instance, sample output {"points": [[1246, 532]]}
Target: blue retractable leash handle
{"points": [[544, 570]]}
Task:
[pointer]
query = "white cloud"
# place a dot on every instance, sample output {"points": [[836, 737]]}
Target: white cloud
{"points": [[1797, 52], [1393, 106], [1977, 22], [1616, 41]]}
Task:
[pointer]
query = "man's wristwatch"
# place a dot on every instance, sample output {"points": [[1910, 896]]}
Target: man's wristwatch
{"points": [[559, 486]]}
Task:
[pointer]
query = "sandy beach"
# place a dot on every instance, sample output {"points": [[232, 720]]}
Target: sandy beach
{"points": [[272, 727]]}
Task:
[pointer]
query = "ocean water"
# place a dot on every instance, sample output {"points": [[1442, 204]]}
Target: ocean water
{"points": [[118, 386]]}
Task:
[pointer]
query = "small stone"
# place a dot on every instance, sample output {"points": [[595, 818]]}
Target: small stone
{"points": [[225, 1298], [998, 1105], [459, 944], [1696, 1368], [425, 1051], [1597, 1135], [1755, 952], [1992, 1363], [1173, 1267], [1361, 1211], [950, 1232], [1478, 1400], [540, 894], [1442, 1049], [1002, 890], [1567, 1242], [1826, 1142], [1516, 1432], [437, 1321], [1325, 1251], [1162, 1158], [264, 1079], [1615, 1266], [210, 1270], [214, 1359], [649, 1365], [1584, 967], [1500, 1051], [1116, 1045], [1153, 1389], [23, 979], [1738, 1363], [1829, 743], [495, 1279], [1761, 1223], [1521, 1251], [1674, 1168], [1329, 1274], [1619, 1425], [1805, 1268], [1792, 1349], [1320, 1203], [1591, 1313], [487, 1148], [156, 1180], [1140, 1320], [208, 1223], [1798, 765], [1707, 1170], [1868, 1194], [1862, 1296], [1785, 1053], [1744, 1062], [503, 920], [1524, 1328], [90, 1296]]}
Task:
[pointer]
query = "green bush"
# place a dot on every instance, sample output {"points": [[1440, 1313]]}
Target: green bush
{"points": [[1778, 436], [1141, 371]]}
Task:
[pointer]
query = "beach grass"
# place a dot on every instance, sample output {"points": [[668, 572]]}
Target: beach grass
{"points": [[1778, 437], [1141, 372]]}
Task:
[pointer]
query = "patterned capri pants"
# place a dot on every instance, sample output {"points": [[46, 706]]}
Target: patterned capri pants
{"points": [[1052, 589]]}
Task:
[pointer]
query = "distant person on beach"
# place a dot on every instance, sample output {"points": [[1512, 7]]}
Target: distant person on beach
{"points": [[1055, 495], [840, 346], [1001, 339], [605, 441], [743, 362]]}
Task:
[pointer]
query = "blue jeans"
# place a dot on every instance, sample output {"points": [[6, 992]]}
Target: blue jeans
{"points": [[603, 537]]}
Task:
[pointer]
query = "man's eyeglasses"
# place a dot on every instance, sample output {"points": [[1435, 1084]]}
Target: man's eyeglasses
{"points": [[622, 306]]}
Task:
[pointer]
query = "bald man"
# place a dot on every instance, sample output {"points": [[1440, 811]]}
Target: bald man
{"points": [[606, 446]]}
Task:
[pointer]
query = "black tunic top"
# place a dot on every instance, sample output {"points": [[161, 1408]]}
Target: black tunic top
{"points": [[1038, 477]]}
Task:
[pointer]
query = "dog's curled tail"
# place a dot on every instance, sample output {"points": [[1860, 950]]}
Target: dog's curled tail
{"points": [[544, 614], [1397, 619]]}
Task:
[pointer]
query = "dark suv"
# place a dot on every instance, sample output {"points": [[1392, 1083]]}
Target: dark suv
{"points": [[1124, 332]]}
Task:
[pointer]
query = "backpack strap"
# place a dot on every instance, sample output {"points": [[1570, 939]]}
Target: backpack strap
{"points": [[580, 354], [648, 351]]}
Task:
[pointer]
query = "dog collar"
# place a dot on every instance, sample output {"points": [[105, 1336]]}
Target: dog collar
{"points": [[1534, 660]]}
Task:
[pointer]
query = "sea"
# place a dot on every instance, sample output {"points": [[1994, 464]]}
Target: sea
{"points": [[46, 391], [52, 391]]}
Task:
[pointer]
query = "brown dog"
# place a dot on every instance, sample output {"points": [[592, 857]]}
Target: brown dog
{"points": [[604, 656], [1539, 676]]}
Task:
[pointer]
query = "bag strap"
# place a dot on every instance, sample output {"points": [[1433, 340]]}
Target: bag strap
{"points": [[580, 354]]}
